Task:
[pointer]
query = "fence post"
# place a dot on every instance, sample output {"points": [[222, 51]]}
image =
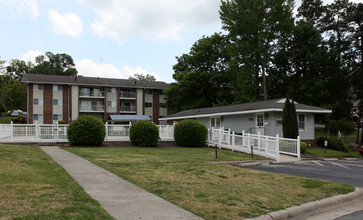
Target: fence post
{"points": [[219, 138], [37, 136], [259, 141], [106, 137], [11, 131], [249, 142], [233, 140], [266, 146], [298, 147], [277, 147]]}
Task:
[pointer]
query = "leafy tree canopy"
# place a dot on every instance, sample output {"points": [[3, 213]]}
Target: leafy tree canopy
{"points": [[142, 77]]}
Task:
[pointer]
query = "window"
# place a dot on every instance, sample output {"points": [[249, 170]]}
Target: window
{"points": [[38, 101], [161, 92], [278, 121], [111, 90], [301, 121], [111, 104], [162, 105], [57, 88], [57, 117], [215, 123], [148, 105], [57, 102], [260, 120], [38, 117], [148, 91], [38, 87]]}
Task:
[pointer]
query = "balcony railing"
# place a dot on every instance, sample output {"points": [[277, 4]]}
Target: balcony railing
{"points": [[88, 94], [127, 94], [127, 108], [91, 108]]}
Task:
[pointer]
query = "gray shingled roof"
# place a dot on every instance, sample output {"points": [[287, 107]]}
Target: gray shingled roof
{"points": [[92, 81], [262, 106]]}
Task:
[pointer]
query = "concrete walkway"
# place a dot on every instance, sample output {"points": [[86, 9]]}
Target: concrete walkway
{"points": [[121, 199]]}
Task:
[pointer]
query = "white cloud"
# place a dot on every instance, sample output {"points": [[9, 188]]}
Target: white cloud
{"points": [[87, 67], [18, 6], [30, 56], [69, 24], [158, 19]]}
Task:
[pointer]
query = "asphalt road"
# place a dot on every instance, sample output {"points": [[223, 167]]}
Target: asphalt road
{"points": [[342, 171]]}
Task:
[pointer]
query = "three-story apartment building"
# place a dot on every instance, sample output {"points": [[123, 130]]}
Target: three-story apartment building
{"points": [[53, 97]]}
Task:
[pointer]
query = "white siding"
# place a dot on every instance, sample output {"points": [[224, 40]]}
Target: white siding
{"points": [[139, 101]]}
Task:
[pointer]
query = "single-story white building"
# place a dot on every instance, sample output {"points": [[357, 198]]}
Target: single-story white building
{"points": [[264, 117]]}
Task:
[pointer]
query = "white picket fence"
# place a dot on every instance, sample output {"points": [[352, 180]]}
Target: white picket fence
{"points": [[49, 133], [266, 146]]}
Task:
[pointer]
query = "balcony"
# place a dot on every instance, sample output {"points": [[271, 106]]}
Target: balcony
{"points": [[127, 95], [91, 94], [128, 109], [91, 108]]}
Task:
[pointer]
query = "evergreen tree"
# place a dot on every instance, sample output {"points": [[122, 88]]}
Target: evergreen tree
{"points": [[289, 120]]}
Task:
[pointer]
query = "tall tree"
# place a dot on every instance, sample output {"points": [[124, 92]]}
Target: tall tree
{"points": [[54, 64], [13, 94], [255, 29], [312, 11], [17, 68], [142, 77], [201, 79]]}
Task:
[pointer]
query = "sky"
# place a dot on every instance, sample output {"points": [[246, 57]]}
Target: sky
{"points": [[108, 38]]}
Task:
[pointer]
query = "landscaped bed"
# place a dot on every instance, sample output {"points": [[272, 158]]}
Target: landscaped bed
{"points": [[33, 186], [187, 178]]}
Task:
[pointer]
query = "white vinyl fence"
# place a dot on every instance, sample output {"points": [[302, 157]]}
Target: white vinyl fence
{"points": [[266, 146], [49, 133]]}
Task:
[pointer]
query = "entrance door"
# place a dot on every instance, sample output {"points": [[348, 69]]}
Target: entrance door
{"points": [[260, 123]]}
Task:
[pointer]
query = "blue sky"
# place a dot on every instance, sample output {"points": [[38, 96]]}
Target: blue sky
{"points": [[108, 38]]}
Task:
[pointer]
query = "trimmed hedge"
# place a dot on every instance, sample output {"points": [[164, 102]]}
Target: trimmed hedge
{"points": [[333, 143], [144, 133], [86, 130], [190, 133]]}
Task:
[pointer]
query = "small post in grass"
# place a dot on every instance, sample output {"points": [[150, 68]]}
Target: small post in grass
{"points": [[252, 144], [325, 145], [216, 147]]}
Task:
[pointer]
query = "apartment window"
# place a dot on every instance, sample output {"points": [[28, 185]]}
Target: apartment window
{"points": [[38, 87], [111, 90], [57, 102], [148, 105], [57, 88], [148, 91], [38, 117], [111, 104], [301, 121], [161, 92], [162, 105], [38, 101], [57, 117]]}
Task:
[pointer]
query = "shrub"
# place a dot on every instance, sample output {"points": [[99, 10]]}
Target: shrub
{"points": [[303, 147], [333, 143], [21, 119], [333, 127], [144, 133], [86, 130], [2, 107], [60, 122], [190, 133], [344, 126]]}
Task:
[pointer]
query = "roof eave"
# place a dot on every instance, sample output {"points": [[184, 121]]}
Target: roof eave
{"points": [[243, 112]]}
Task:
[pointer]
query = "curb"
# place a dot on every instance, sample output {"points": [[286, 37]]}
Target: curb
{"points": [[311, 208]]}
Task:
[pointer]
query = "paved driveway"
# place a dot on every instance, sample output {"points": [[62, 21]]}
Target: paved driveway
{"points": [[343, 171]]}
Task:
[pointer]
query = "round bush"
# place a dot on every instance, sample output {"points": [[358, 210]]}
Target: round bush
{"points": [[190, 133], [303, 147], [86, 130], [144, 133]]}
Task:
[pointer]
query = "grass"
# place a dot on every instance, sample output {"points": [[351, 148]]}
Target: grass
{"points": [[185, 177], [352, 138], [33, 186], [320, 152]]}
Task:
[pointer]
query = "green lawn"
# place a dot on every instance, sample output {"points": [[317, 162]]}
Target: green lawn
{"points": [[187, 178], [33, 186]]}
